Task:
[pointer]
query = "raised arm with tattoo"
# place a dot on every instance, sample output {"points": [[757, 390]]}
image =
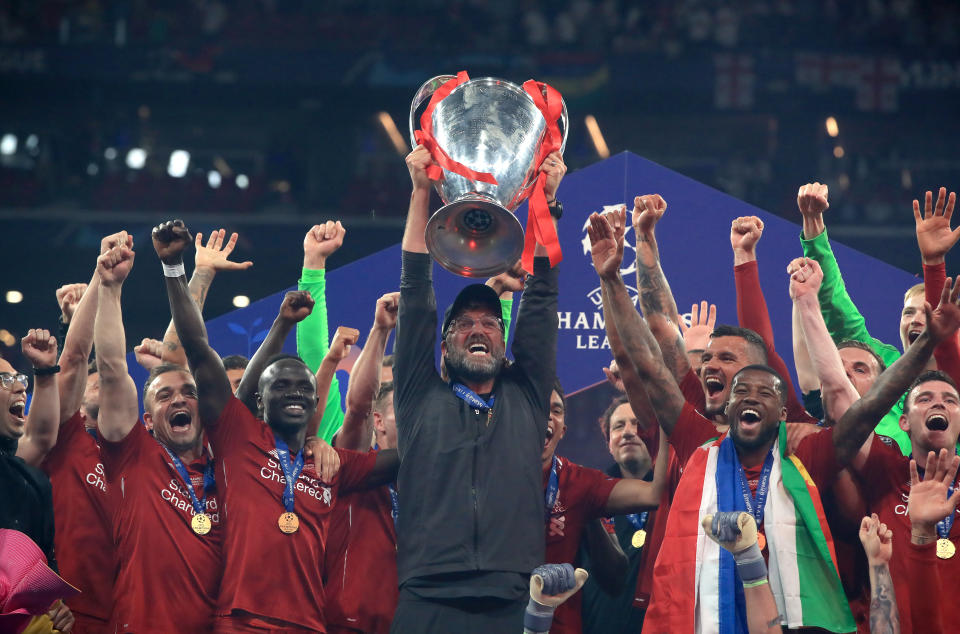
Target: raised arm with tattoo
{"points": [[207, 261], [858, 422], [365, 378], [296, 306], [639, 343], [656, 298], [877, 542], [40, 431], [119, 409], [836, 390], [170, 240]]}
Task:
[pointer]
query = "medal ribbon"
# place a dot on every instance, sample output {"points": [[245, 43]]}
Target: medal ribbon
{"points": [[540, 229], [424, 136], [199, 506], [291, 471], [639, 520], [553, 489], [471, 397], [755, 504]]}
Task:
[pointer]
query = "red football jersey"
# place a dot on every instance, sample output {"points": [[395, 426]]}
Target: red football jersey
{"points": [[268, 573], [887, 474], [581, 496], [360, 563], [83, 539], [169, 576]]}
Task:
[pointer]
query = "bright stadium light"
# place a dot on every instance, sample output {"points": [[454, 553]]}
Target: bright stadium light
{"points": [[832, 128], [179, 162], [391, 129], [838, 151], [136, 158], [242, 181], [110, 153], [597, 137], [14, 297], [214, 178], [241, 301], [8, 144], [32, 142]]}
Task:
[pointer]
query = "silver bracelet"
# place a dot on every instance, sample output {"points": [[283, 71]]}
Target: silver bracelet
{"points": [[173, 270]]}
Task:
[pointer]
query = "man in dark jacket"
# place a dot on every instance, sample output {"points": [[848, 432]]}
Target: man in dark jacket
{"points": [[471, 501]]}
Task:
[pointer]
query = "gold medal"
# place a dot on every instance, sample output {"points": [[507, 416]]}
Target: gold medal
{"points": [[945, 549], [201, 524], [289, 523], [761, 541], [639, 538]]}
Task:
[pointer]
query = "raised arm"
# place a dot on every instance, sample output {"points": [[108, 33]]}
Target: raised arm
{"points": [[77, 344], [841, 315], [631, 495], [43, 421], [343, 339], [506, 284], [806, 374], [296, 306], [877, 540], [119, 409], [313, 336], [207, 261], [170, 240], [836, 390], [656, 298], [365, 378], [414, 240], [638, 342], [858, 422], [935, 240]]}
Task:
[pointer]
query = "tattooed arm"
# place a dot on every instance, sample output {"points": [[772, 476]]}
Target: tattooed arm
{"points": [[877, 542], [208, 260], [656, 299]]}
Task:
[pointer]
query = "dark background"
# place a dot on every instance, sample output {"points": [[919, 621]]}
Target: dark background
{"points": [[286, 93]]}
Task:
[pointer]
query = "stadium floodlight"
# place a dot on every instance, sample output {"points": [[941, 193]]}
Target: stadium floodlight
{"points": [[241, 301], [597, 137], [8, 144], [214, 178], [136, 158], [179, 162], [242, 181]]}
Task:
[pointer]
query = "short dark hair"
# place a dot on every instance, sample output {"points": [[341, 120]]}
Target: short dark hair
{"points": [[387, 361], [157, 370], [282, 356], [760, 367], [608, 414], [558, 388], [384, 394], [851, 343], [235, 362], [751, 337], [926, 377]]}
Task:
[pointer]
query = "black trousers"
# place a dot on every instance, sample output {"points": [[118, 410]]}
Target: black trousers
{"points": [[416, 615]]}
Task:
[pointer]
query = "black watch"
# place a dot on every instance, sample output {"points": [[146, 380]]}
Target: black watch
{"points": [[556, 208]]}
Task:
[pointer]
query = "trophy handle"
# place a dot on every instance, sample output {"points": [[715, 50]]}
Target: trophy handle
{"points": [[565, 118], [425, 92]]}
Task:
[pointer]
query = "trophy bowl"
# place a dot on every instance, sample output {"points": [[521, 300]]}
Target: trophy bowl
{"points": [[489, 125]]}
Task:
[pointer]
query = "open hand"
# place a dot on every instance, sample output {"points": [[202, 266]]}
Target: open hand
{"points": [[114, 265], [170, 240], [647, 212], [944, 321], [605, 250], [321, 242], [928, 502], [385, 315], [877, 540], [934, 236], [40, 348], [215, 254], [296, 306], [696, 336], [68, 297]]}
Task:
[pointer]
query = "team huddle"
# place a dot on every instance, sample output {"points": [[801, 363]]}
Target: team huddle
{"points": [[242, 497]]}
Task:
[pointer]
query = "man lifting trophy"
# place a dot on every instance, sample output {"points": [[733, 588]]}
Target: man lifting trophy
{"points": [[489, 139]]}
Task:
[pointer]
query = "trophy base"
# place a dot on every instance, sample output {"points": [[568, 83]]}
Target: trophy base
{"points": [[474, 238]]}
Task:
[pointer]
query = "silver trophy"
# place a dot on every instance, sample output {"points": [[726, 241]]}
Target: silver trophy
{"points": [[489, 125]]}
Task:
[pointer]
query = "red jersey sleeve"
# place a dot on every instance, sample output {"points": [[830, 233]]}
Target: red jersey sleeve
{"points": [[598, 486], [690, 432], [235, 424], [692, 390], [119, 456], [817, 454], [65, 435], [947, 352], [355, 468]]}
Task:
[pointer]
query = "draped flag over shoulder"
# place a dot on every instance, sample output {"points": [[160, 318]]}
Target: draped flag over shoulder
{"points": [[691, 569]]}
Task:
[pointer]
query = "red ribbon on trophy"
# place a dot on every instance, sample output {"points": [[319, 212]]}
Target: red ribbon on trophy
{"points": [[425, 138], [540, 227]]}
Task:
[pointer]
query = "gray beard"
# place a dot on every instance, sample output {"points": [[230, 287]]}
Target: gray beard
{"points": [[462, 365]]}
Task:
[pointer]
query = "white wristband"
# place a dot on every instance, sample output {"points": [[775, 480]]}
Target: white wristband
{"points": [[174, 270]]}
